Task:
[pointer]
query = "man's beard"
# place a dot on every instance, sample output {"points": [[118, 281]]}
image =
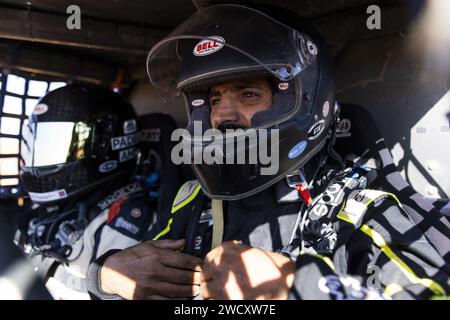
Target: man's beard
{"points": [[229, 125]]}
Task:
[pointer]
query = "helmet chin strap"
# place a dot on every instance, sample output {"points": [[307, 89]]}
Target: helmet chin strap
{"points": [[217, 233], [332, 139]]}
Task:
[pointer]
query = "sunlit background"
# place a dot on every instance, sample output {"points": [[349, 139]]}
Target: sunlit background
{"points": [[403, 78], [17, 106], [431, 42]]}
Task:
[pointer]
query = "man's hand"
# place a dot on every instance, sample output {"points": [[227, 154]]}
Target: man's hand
{"points": [[152, 270], [235, 271]]}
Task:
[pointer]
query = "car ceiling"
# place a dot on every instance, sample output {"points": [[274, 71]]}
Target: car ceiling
{"points": [[127, 29], [169, 13]]}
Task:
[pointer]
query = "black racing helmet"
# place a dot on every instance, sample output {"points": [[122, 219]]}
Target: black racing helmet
{"points": [[231, 42], [78, 138]]}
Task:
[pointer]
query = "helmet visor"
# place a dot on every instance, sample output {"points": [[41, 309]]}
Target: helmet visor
{"points": [[227, 39], [52, 143]]}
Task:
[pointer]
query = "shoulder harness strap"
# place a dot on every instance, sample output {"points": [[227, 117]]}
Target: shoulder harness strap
{"points": [[359, 201]]}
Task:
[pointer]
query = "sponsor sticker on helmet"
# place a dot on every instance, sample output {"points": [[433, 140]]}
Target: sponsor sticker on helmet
{"points": [[316, 129], [136, 213], [283, 86], [48, 196], [108, 166], [129, 126], [312, 48], [207, 46], [197, 102], [40, 108], [122, 142], [326, 109], [297, 150], [127, 154]]}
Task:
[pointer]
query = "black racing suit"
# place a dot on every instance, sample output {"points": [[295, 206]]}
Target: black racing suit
{"points": [[375, 250], [355, 244]]}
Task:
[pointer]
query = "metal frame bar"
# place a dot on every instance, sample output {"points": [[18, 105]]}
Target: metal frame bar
{"points": [[22, 117]]}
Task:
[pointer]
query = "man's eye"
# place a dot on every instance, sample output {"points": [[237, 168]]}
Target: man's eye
{"points": [[250, 94], [214, 101]]}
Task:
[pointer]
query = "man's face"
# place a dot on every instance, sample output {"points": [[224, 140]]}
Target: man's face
{"points": [[234, 103]]}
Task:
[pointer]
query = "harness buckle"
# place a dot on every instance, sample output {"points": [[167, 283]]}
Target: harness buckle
{"points": [[297, 181]]}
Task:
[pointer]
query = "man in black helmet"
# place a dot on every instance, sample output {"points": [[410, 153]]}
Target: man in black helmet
{"points": [[79, 153], [310, 229]]}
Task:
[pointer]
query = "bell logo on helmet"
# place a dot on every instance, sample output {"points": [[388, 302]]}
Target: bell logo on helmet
{"points": [[40, 109], [197, 102], [297, 149], [283, 86], [208, 46]]}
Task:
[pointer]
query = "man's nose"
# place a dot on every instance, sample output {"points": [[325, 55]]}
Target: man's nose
{"points": [[225, 111]]}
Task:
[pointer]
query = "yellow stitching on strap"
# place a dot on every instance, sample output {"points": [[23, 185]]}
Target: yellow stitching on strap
{"points": [[352, 210], [412, 277], [188, 199], [386, 193], [392, 289], [323, 258], [165, 231], [181, 188], [178, 207], [396, 199], [439, 298]]}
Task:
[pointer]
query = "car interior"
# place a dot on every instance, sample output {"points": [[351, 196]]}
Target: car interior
{"points": [[392, 84]]}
